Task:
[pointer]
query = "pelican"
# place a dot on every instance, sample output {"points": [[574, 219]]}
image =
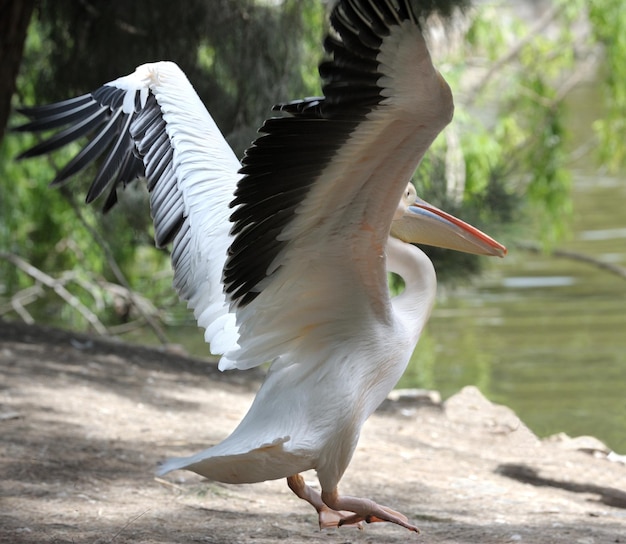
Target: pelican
{"points": [[284, 257]]}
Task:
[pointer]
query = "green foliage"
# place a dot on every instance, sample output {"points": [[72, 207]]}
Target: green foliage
{"points": [[515, 147], [39, 223], [608, 19], [242, 56], [510, 81], [521, 143]]}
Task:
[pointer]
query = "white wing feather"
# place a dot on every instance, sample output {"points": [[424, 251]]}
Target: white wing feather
{"points": [[206, 168], [191, 171]]}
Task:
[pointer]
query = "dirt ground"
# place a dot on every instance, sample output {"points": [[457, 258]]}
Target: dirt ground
{"points": [[84, 421]]}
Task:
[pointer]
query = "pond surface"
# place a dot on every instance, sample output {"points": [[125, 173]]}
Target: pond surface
{"points": [[543, 335]]}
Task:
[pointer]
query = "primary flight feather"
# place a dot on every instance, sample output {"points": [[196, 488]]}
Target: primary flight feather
{"points": [[284, 257]]}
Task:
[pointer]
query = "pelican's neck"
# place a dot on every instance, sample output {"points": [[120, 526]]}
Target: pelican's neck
{"points": [[413, 306]]}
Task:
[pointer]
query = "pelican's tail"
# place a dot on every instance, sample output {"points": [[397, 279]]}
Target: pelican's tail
{"points": [[269, 461]]}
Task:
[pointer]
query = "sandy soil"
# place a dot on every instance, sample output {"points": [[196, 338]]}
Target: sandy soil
{"points": [[84, 421]]}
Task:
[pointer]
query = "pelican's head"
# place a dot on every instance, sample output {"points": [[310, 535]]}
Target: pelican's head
{"points": [[418, 222]]}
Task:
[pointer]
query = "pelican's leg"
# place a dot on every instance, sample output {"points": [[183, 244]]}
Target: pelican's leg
{"points": [[364, 510], [328, 517]]}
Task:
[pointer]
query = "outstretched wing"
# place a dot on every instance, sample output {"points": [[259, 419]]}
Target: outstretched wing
{"points": [[313, 211], [152, 123]]}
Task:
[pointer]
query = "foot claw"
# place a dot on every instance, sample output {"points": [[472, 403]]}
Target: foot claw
{"points": [[377, 514], [331, 519]]}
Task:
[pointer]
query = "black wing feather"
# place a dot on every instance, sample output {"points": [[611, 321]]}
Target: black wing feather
{"points": [[284, 162], [126, 140]]}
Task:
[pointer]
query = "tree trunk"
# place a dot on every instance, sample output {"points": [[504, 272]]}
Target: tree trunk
{"points": [[14, 18]]}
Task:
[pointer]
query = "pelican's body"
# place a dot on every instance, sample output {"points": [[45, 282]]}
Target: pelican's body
{"points": [[320, 212], [309, 416]]}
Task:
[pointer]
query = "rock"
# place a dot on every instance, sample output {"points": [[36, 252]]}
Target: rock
{"points": [[586, 444], [471, 408], [408, 401]]}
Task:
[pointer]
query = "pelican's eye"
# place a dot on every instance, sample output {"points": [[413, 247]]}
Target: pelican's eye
{"points": [[409, 194]]}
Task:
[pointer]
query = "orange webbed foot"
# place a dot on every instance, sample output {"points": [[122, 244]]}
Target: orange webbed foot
{"points": [[328, 518], [338, 511], [365, 510]]}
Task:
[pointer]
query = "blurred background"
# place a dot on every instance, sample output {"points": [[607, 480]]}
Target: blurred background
{"points": [[535, 157]]}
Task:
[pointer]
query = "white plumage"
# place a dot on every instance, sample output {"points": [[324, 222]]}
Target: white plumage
{"points": [[297, 276]]}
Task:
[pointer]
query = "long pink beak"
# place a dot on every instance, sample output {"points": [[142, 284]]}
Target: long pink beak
{"points": [[426, 224]]}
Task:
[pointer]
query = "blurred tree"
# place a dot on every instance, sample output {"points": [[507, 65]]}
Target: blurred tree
{"points": [[608, 20], [241, 55], [504, 159], [13, 24]]}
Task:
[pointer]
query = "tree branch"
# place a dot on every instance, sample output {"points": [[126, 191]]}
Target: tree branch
{"points": [[575, 256], [117, 272], [57, 287]]}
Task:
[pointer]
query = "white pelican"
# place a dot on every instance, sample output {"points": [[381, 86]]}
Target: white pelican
{"points": [[292, 269]]}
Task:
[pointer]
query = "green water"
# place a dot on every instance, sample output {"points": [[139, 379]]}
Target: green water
{"points": [[545, 336]]}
